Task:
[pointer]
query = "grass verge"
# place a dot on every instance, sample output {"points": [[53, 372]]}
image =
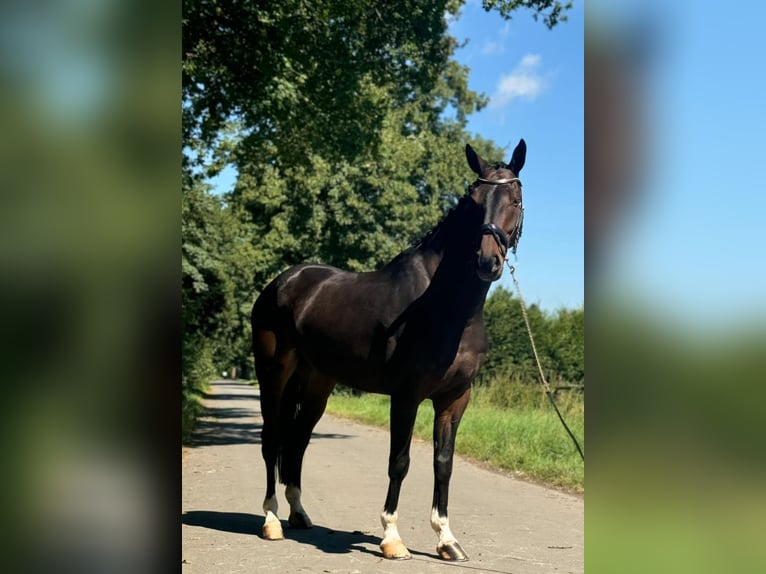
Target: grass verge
{"points": [[527, 440], [190, 410]]}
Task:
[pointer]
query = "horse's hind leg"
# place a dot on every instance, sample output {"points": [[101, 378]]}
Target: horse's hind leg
{"points": [[307, 407], [273, 369]]}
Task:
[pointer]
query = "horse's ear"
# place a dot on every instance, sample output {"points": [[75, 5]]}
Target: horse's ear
{"points": [[518, 158], [478, 165]]}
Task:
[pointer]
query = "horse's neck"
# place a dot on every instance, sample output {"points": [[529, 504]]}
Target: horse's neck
{"points": [[443, 243], [452, 274], [444, 263], [429, 259]]}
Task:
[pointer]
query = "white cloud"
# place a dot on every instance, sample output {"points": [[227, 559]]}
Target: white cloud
{"points": [[524, 82], [489, 47], [530, 61], [497, 47]]}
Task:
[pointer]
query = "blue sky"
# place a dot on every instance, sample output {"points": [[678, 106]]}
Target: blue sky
{"points": [[534, 78]]}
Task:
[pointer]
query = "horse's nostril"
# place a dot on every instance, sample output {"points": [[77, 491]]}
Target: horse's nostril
{"points": [[489, 266]]}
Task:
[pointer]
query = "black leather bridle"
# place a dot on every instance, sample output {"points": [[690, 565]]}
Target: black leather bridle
{"points": [[500, 236]]}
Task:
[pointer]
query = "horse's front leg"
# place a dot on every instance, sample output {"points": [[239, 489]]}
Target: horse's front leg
{"points": [[403, 415], [447, 415]]}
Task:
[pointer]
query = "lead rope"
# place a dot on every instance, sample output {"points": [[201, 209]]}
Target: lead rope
{"points": [[543, 382]]}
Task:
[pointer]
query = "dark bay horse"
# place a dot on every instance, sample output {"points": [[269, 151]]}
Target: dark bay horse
{"points": [[413, 330]]}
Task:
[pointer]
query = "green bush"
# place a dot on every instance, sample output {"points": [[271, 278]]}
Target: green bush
{"points": [[197, 370], [559, 339]]}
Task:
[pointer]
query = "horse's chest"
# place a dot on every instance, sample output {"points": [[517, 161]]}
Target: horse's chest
{"points": [[433, 347]]}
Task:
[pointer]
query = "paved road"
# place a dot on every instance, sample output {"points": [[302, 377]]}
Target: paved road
{"points": [[504, 524]]}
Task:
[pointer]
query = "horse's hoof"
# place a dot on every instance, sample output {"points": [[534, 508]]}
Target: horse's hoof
{"points": [[395, 550], [300, 521], [273, 531], [451, 552]]}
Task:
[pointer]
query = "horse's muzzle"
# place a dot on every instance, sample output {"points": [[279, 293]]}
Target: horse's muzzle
{"points": [[493, 245], [489, 269]]}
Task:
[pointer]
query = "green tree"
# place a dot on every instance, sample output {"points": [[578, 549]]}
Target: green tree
{"points": [[204, 285], [306, 77], [559, 338], [510, 352], [566, 344], [551, 11]]}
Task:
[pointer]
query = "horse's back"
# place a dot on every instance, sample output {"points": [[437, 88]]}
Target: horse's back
{"points": [[287, 290]]}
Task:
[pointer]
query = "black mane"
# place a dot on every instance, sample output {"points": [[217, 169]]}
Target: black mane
{"points": [[443, 222]]}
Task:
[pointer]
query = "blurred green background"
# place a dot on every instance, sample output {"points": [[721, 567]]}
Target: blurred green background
{"points": [[676, 329], [89, 239]]}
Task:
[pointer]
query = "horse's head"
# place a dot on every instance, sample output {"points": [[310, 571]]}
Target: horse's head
{"points": [[498, 192]]}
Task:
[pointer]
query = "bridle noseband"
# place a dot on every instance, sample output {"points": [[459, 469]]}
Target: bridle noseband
{"points": [[500, 236]]}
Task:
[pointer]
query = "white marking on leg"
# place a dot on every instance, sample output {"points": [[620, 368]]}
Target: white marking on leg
{"points": [[440, 524], [293, 495], [392, 546], [390, 527], [272, 528], [270, 508]]}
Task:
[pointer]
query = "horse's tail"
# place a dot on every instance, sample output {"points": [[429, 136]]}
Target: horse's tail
{"points": [[271, 369], [275, 371], [289, 409]]}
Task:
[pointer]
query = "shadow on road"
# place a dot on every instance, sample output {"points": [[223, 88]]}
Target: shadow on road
{"points": [[236, 522], [220, 425], [321, 435], [218, 432], [334, 541], [229, 413], [323, 538]]}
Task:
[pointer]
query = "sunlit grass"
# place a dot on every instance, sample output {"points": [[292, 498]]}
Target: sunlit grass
{"points": [[191, 408]]}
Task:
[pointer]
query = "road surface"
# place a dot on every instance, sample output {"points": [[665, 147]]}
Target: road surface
{"points": [[504, 524]]}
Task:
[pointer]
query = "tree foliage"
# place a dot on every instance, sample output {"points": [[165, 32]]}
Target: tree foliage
{"points": [[304, 77], [552, 11], [559, 338]]}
